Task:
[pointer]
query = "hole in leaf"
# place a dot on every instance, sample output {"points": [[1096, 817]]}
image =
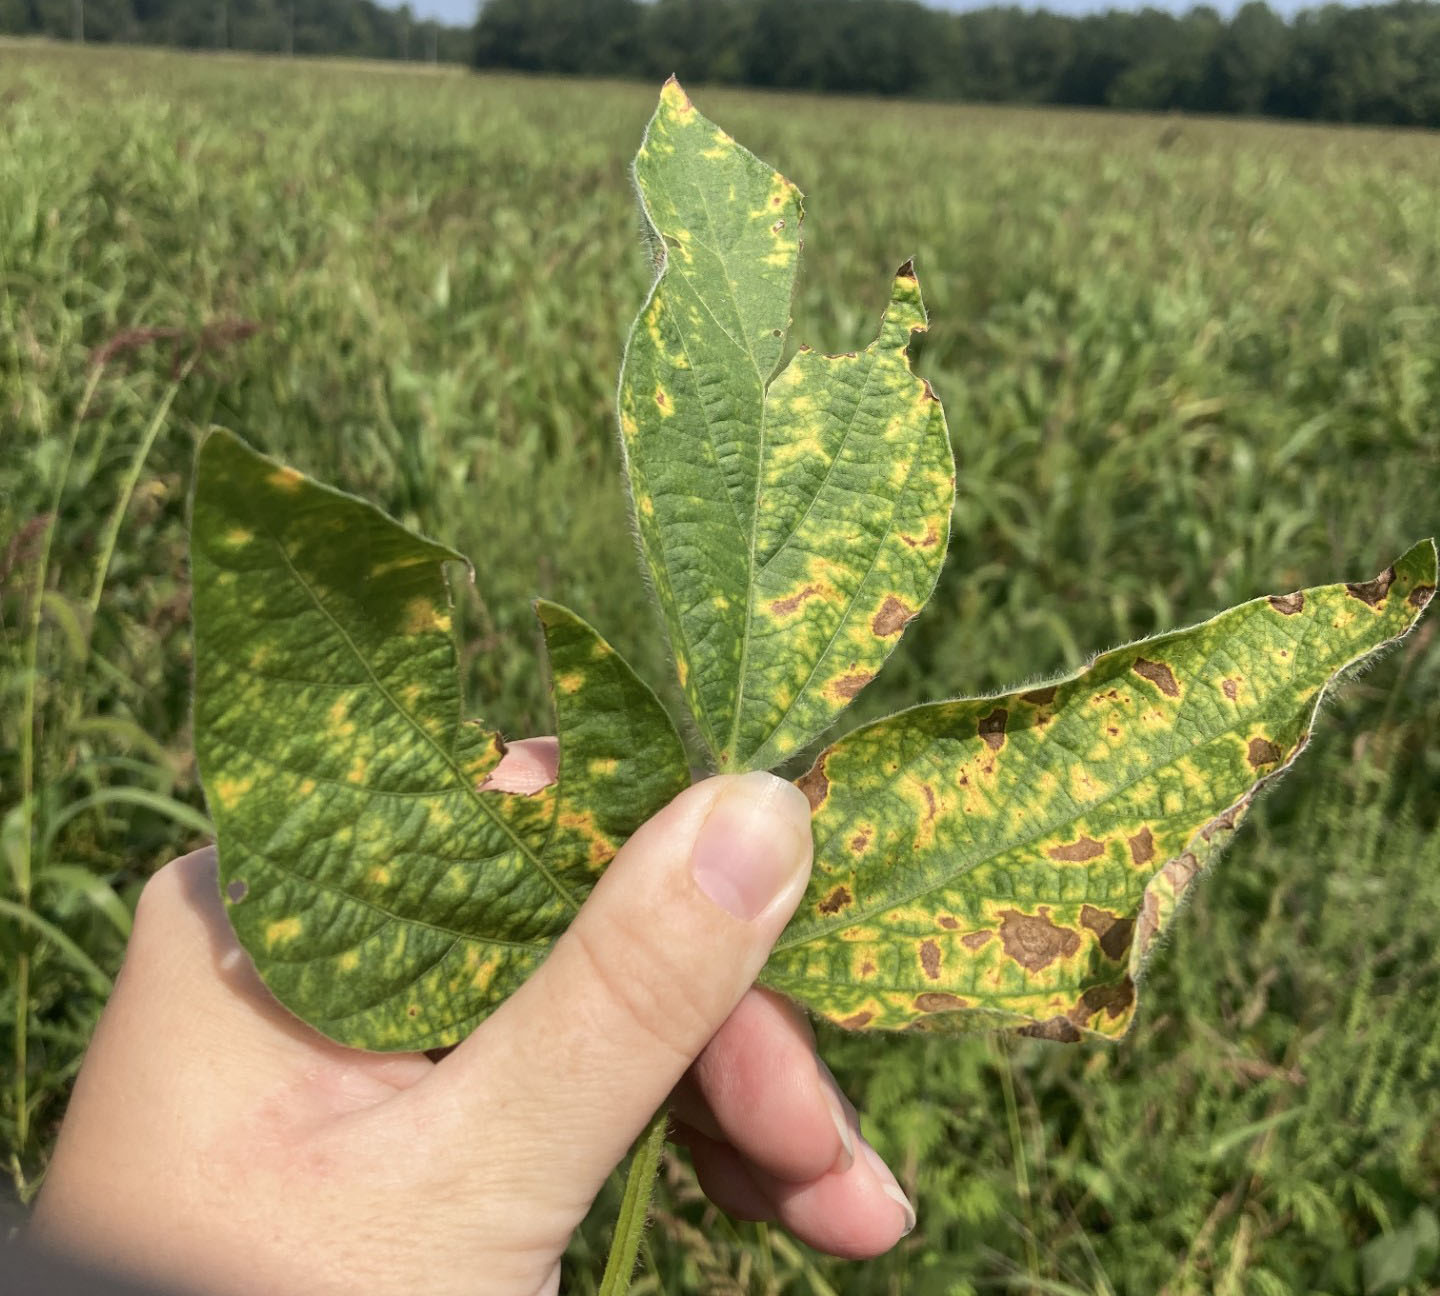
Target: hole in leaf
{"points": [[236, 891]]}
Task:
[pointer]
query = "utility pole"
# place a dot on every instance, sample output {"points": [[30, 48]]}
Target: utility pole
{"points": [[78, 21]]}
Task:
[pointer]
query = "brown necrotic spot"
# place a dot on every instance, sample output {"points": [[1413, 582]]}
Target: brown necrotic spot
{"points": [[974, 940], [929, 391], [1114, 931], [1076, 852], [236, 891], [1142, 846], [1421, 595], [778, 226], [1228, 687], [939, 1001], [1159, 675], [847, 686], [856, 1020], [1149, 925], [892, 617], [1221, 823], [1262, 752], [928, 541], [992, 728], [836, 900], [785, 606], [1040, 696], [1374, 591], [947, 922], [860, 841], [1288, 604], [1033, 941], [930, 959], [1180, 872], [906, 271], [1059, 1030], [814, 784], [1112, 999]]}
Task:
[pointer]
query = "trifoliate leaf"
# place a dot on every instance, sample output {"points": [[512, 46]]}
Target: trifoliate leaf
{"points": [[385, 893], [791, 528], [1014, 859]]}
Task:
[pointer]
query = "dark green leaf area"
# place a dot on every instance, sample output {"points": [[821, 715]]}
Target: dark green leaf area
{"points": [[387, 894], [1014, 859]]}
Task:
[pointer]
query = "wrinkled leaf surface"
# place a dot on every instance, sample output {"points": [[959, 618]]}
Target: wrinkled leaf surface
{"points": [[791, 528], [386, 894], [1015, 858]]}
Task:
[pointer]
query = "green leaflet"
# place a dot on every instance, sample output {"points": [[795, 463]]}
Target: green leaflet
{"points": [[791, 528], [1015, 858], [385, 895]]}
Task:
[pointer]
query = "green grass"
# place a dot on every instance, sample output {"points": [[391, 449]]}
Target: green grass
{"points": [[1185, 362]]}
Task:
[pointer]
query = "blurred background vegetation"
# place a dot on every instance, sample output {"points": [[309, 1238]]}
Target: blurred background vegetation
{"points": [[1337, 62], [1185, 363]]}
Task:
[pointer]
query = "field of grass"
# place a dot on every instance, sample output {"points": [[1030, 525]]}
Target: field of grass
{"points": [[1185, 363]]}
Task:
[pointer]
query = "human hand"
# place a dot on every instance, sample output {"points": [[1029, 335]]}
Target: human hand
{"points": [[216, 1142]]}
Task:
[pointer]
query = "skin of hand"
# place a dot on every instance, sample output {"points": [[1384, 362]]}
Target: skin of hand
{"points": [[216, 1143]]}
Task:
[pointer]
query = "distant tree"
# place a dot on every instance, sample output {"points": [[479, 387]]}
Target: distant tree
{"points": [[599, 37], [1248, 57]]}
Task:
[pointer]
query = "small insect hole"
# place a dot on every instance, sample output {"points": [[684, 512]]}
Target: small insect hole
{"points": [[236, 891]]}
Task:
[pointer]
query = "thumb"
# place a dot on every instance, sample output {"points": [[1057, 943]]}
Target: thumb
{"points": [[674, 933]]}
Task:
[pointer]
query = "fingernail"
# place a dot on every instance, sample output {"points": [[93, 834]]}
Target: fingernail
{"points": [[753, 843], [889, 1185], [835, 1101]]}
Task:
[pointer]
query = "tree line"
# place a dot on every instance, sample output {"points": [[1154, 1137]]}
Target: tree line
{"points": [[1377, 64], [354, 27]]}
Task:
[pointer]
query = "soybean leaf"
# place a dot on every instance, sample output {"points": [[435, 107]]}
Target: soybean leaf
{"points": [[386, 894], [1014, 859], [791, 528]]}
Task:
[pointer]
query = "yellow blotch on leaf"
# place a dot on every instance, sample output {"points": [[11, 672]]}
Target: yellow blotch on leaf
{"points": [[356, 772], [603, 765], [339, 717], [228, 791], [675, 99], [422, 615], [239, 536], [282, 930], [569, 683], [348, 961]]}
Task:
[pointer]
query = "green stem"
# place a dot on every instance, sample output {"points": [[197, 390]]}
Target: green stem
{"points": [[25, 862], [127, 490], [1017, 1149], [634, 1208]]}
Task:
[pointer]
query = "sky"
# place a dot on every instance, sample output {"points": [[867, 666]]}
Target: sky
{"points": [[463, 11]]}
